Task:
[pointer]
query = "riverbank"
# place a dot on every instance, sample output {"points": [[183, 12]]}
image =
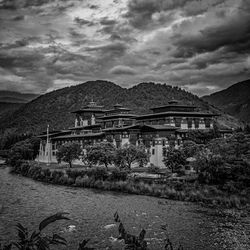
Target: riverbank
{"points": [[120, 181], [91, 212]]}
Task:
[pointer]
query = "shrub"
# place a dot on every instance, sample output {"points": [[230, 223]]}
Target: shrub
{"points": [[153, 169], [24, 168], [98, 173], [79, 181], [68, 152], [23, 150], [101, 153], [118, 175], [56, 176], [73, 173], [126, 155]]}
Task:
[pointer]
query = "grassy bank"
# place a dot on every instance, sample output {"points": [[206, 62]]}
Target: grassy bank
{"points": [[117, 180]]}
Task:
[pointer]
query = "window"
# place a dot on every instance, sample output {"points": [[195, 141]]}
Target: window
{"points": [[153, 151], [189, 122], [164, 151]]}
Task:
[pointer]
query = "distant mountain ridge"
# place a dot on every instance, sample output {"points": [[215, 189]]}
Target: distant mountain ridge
{"points": [[234, 100], [54, 108], [12, 100], [16, 97], [7, 108]]}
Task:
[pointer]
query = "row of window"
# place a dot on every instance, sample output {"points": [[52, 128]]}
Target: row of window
{"points": [[178, 121]]}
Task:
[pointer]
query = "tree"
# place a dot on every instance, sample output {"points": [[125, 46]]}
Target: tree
{"points": [[128, 154], [68, 152], [11, 137], [102, 153], [24, 150], [210, 167], [190, 148], [174, 159], [203, 137]]}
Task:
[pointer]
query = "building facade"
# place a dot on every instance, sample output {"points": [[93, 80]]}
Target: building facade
{"points": [[165, 126]]}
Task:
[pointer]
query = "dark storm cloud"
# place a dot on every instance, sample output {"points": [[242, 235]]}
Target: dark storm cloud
{"points": [[19, 43], [75, 34], [202, 45], [116, 48], [18, 18], [93, 6], [23, 59], [122, 70], [107, 21], [81, 21], [16, 4], [233, 35], [140, 12], [25, 70]]}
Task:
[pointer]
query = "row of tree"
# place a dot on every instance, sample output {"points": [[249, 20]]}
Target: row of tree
{"points": [[27, 149], [220, 161], [103, 153]]}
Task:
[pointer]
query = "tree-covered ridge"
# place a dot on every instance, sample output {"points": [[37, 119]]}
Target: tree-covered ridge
{"points": [[54, 108], [234, 100], [6, 108], [16, 97]]}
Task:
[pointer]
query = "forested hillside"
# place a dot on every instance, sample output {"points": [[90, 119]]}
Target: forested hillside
{"points": [[234, 100], [54, 108], [16, 97]]}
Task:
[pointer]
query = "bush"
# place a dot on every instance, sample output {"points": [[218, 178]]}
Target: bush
{"points": [[23, 150], [68, 152], [75, 173], [56, 177], [152, 169], [79, 181], [118, 175], [98, 173]]}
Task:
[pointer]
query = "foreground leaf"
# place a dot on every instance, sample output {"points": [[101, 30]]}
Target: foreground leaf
{"points": [[51, 219]]}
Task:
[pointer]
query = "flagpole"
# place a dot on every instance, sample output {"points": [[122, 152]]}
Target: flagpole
{"points": [[48, 148], [48, 133]]}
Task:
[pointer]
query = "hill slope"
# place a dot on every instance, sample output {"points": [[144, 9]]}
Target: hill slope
{"points": [[16, 97], [11, 101], [7, 108], [234, 100], [54, 108]]}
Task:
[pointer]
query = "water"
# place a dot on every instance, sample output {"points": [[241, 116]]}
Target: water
{"points": [[91, 213]]}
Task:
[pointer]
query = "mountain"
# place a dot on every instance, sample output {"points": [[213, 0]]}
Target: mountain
{"points": [[54, 108], [234, 100], [7, 108], [16, 97], [11, 101]]}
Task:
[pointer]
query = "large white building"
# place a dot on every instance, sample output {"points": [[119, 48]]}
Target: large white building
{"points": [[166, 126]]}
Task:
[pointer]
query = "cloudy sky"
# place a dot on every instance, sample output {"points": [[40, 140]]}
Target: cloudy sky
{"points": [[200, 45]]}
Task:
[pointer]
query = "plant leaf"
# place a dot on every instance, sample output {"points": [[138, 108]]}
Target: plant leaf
{"points": [[142, 235], [82, 245], [22, 232], [57, 239], [7, 247], [51, 219]]}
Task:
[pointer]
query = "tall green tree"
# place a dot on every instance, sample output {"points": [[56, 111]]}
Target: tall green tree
{"points": [[101, 153], [68, 152], [10, 137], [174, 159], [129, 154], [190, 148], [24, 150]]}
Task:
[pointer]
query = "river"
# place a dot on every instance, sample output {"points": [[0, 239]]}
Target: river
{"points": [[91, 212]]}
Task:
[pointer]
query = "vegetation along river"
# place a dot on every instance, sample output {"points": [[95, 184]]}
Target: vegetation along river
{"points": [[91, 212]]}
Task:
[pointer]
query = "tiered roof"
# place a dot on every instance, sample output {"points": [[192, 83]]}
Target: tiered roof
{"points": [[91, 107]]}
